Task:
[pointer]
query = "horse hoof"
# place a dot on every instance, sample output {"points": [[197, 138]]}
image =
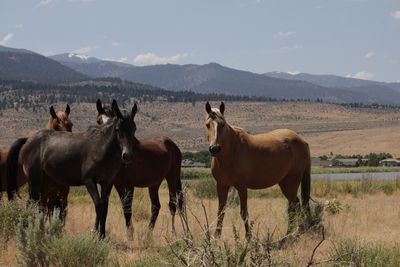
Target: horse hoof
{"points": [[129, 233], [217, 234]]}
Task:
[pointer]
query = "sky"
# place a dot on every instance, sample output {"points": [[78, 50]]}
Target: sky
{"points": [[353, 38]]}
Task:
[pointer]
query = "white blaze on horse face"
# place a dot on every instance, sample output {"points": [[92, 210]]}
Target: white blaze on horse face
{"points": [[105, 118], [214, 142]]}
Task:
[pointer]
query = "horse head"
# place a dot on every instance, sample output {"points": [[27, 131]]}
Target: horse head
{"points": [[59, 120], [215, 123]]}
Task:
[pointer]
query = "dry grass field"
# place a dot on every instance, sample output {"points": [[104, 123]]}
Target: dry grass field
{"points": [[368, 218]]}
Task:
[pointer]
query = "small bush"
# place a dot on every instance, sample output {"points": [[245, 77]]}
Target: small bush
{"points": [[352, 252], [333, 206], [42, 243], [205, 188], [10, 214], [79, 250]]}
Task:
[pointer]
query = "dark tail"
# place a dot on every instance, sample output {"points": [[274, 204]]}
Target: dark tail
{"points": [[12, 167], [306, 187], [179, 191]]}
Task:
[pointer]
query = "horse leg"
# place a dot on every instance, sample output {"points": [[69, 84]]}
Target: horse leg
{"points": [[94, 194], [126, 196], [155, 205], [243, 210], [105, 195], [173, 191], [222, 197], [289, 188], [62, 201]]}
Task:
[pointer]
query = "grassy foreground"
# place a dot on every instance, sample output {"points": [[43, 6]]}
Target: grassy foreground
{"points": [[360, 220]]}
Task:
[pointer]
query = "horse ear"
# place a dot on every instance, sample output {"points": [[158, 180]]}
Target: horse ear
{"points": [[99, 107], [53, 113], [67, 110], [134, 111], [208, 108], [222, 108], [115, 109]]}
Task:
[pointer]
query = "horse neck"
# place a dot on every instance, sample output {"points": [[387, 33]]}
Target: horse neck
{"points": [[229, 143], [50, 124], [106, 140]]}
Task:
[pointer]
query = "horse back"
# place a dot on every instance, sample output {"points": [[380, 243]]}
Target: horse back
{"points": [[153, 159], [262, 160]]}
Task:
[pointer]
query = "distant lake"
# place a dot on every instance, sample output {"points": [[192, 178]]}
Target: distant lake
{"points": [[353, 176]]}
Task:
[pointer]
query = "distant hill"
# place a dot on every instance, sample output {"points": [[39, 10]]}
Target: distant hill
{"points": [[332, 80], [212, 78], [215, 78], [21, 64]]}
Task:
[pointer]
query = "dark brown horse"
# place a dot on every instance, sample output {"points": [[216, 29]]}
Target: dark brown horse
{"points": [[11, 169], [155, 159], [88, 158], [257, 161]]}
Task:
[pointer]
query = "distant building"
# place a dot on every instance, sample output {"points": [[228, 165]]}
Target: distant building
{"points": [[317, 162], [347, 162], [389, 162], [187, 163]]}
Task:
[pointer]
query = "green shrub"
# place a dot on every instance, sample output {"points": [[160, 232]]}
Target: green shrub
{"points": [[352, 252], [79, 250], [205, 188], [10, 214], [333, 206], [34, 235], [40, 242]]}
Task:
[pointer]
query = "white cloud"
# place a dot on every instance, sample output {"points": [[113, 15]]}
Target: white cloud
{"points": [[43, 3], [117, 59], [361, 75], [283, 34], [153, 59], [115, 43], [6, 39], [369, 55], [83, 50], [396, 14]]}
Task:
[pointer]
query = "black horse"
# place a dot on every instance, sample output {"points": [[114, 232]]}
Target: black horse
{"points": [[88, 158]]}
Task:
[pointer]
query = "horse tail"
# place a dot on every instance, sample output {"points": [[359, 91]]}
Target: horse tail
{"points": [[306, 187], [179, 191], [12, 167]]}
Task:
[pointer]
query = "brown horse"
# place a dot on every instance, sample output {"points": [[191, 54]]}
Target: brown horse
{"points": [[11, 168], [75, 159], [257, 161], [155, 159]]}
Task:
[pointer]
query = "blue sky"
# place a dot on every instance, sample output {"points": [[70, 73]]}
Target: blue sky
{"points": [[359, 38]]}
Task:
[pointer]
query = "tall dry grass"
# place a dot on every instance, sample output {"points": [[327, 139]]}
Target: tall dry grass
{"points": [[371, 218]]}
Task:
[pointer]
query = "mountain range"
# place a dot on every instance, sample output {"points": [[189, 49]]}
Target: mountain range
{"points": [[20, 64]]}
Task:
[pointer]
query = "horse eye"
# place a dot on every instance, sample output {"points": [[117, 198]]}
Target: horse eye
{"points": [[208, 125]]}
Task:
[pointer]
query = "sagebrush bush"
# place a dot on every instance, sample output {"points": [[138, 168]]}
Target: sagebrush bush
{"points": [[10, 214], [204, 188], [40, 242], [353, 252], [333, 206], [79, 250]]}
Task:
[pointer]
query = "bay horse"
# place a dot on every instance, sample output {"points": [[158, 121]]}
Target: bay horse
{"points": [[155, 159], [257, 161], [86, 158], [11, 168]]}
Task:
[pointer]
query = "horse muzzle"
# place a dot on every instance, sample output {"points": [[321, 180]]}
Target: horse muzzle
{"points": [[214, 150], [126, 158]]}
